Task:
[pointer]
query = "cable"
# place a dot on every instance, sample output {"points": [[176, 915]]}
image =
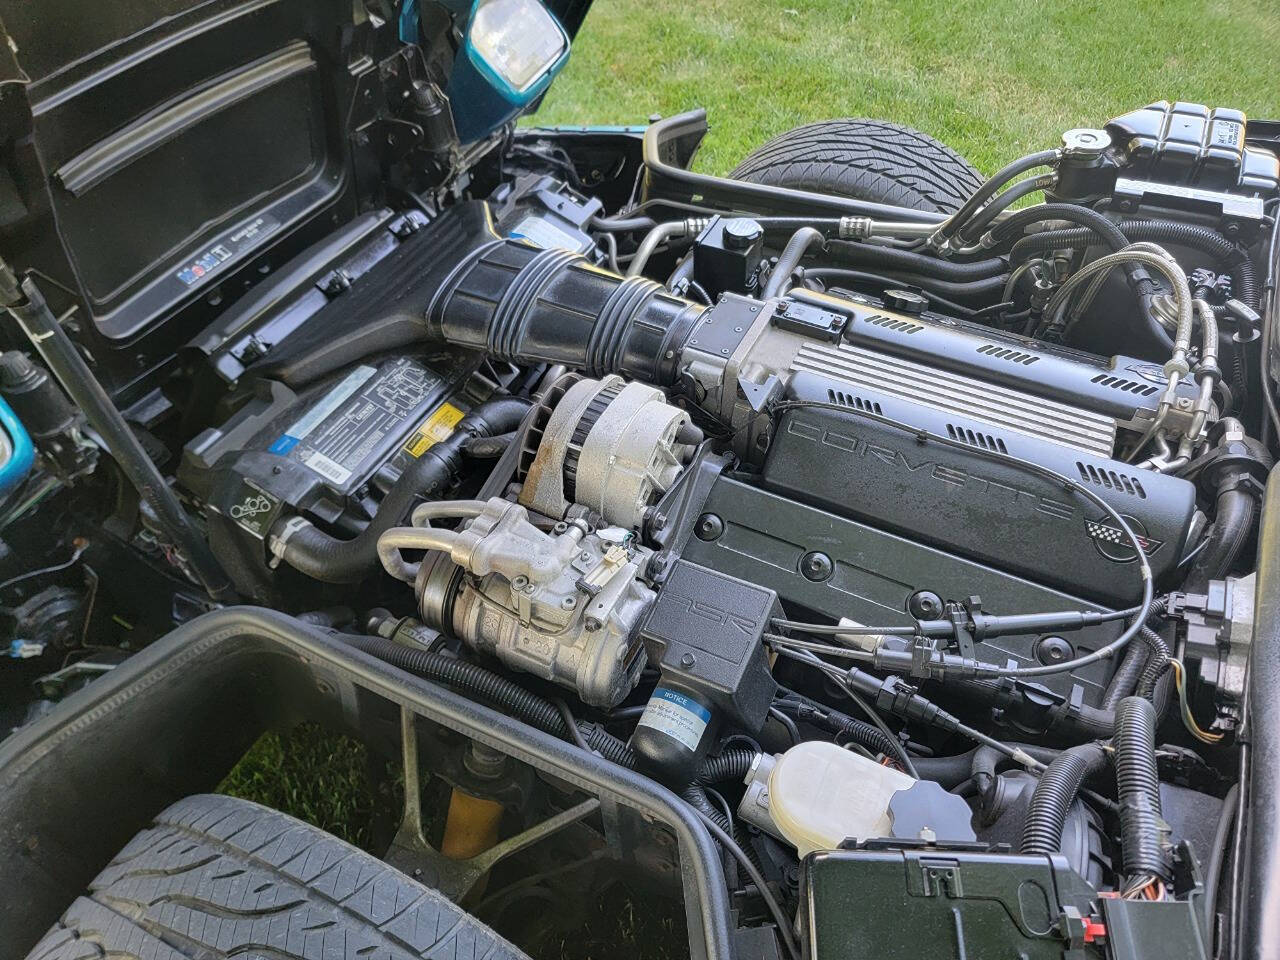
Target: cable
{"points": [[1184, 706], [771, 902], [1217, 854], [722, 803], [57, 567], [571, 723], [792, 730], [838, 677], [1144, 567]]}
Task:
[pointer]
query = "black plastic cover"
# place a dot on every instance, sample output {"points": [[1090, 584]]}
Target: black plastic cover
{"points": [[1193, 145], [704, 631], [957, 904], [763, 537], [976, 505]]}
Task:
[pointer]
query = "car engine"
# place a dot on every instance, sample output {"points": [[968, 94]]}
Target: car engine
{"points": [[915, 552]]}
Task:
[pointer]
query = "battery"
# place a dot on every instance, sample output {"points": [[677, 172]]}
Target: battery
{"points": [[361, 421]]}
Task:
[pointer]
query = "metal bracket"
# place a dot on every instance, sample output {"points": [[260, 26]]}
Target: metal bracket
{"points": [[412, 853]]}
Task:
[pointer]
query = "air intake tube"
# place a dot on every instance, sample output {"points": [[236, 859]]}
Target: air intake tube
{"points": [[521, 303]]}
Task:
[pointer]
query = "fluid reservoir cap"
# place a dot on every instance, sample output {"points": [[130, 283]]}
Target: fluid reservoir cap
{"points": [[741, 232], [821, 795], [906, 301], [925, 811], [1085, 143]]}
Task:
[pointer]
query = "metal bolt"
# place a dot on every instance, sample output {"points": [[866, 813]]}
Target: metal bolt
{"points": [[688, 660], [593, 623], [1053, 650], [924, 605], [816, 566], [709, 527]]}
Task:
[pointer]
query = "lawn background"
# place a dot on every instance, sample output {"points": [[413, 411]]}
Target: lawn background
{"points": [[993, 79]]}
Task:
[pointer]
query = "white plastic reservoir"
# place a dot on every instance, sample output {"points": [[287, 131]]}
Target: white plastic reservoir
{"points": [[820, 794]]}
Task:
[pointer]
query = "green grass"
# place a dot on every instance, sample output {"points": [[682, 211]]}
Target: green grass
{"points": [[327, 779], [992, 78]]}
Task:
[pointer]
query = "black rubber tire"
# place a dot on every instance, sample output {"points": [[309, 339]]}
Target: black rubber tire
{"points": [[866, 160], [217, 877]]}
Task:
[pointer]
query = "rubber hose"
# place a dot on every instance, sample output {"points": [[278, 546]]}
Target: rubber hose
{"points": [[1124, 681], [622, 224], [1082, 720], [940, 291], [323, 557], [730, 765], [889, 258], [494, 689], [1143, 833], [972, 230], [697, 798], [489, 448], [833, 721], [949, 771], [988, 189], [789, 259], [1232, 524], [1111, 234], [954, 770], [1238, 263], [1055, 791]]}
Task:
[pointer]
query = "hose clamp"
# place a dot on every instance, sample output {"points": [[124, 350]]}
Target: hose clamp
{"points": [[278, 539]]}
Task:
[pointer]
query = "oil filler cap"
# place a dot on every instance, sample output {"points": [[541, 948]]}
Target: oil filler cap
{"points": [[906, 301]]}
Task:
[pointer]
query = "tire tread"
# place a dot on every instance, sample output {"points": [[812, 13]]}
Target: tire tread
{"points": [[217, 876], [867, 159]]}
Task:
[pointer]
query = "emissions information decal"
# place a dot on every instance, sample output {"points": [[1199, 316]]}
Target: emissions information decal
{"points": [[435, 428], [679, 717], [351, 423]]}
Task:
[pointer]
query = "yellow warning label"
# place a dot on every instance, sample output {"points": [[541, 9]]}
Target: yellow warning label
{"points": [[433, 429]]}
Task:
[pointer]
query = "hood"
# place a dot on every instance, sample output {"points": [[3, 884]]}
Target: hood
{"points": [[163, 155]]}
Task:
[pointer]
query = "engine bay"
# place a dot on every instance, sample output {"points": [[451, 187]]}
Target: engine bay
{"points": [[916, 552]]}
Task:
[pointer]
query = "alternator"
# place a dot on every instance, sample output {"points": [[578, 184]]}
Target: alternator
{"points": [[611, 446]]}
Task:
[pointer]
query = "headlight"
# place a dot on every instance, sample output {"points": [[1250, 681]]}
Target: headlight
{"points": [[511, 50], [518, 42]]}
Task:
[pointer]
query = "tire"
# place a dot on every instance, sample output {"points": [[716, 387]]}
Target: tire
{"points": [[865, 160], [217, 877]]}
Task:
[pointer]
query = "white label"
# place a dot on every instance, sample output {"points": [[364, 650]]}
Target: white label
{"points": [[546, 234], [679, 717], [327, 468], [330, 403]]}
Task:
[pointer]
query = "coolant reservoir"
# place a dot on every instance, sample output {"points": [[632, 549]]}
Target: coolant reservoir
{"points": [[821, 794]]}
